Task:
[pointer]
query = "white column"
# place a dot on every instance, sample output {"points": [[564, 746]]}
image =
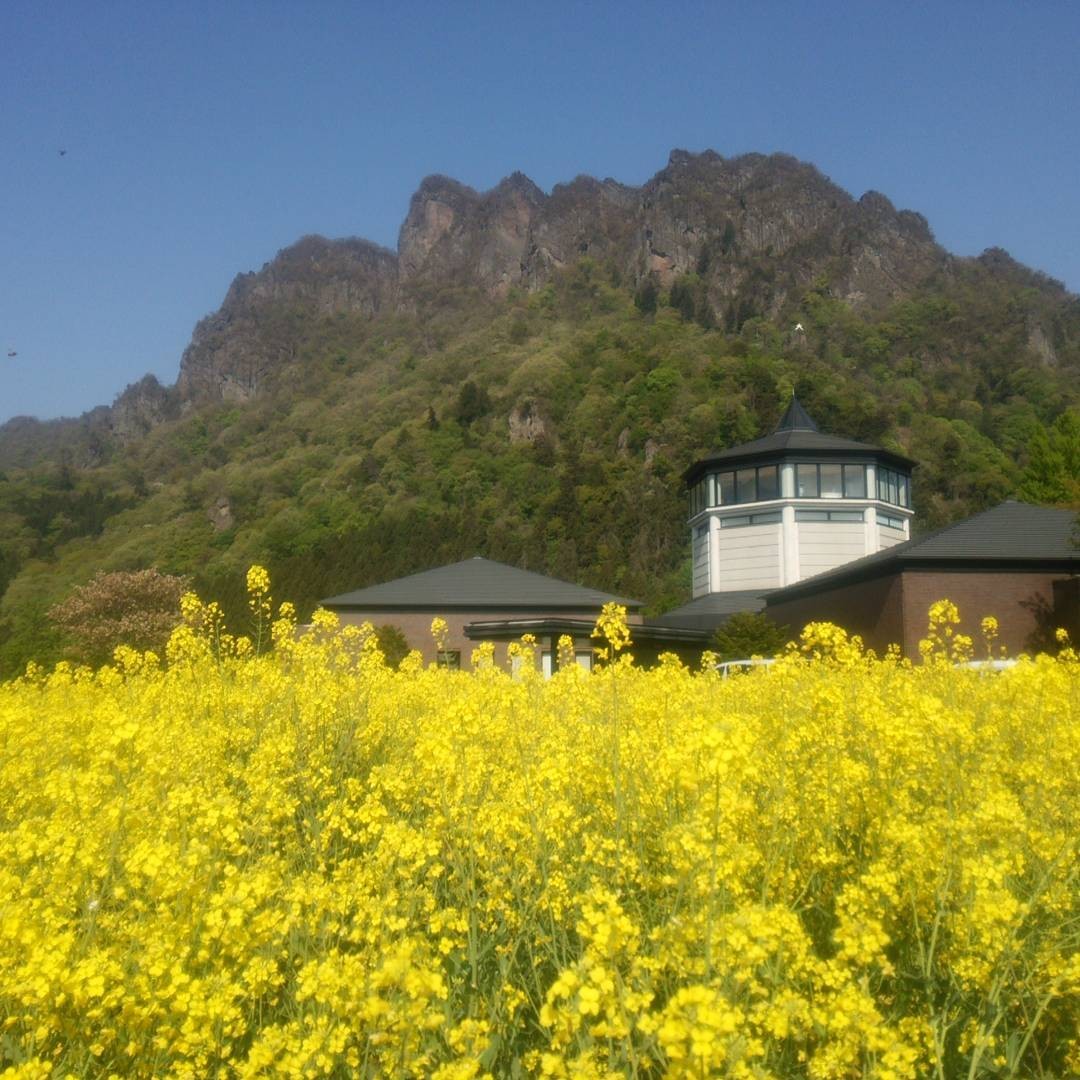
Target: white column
{"points": [[715, 584], [787, 481], [870, 533], [789, 562]]}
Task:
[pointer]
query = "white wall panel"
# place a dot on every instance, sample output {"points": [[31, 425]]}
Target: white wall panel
{"points": [[701, 564], [825, 544], [889, 537], [749, 558]]}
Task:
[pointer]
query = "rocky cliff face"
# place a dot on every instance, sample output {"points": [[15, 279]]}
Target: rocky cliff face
{"points": [[720, 218], [232, 351], [754, 228]]}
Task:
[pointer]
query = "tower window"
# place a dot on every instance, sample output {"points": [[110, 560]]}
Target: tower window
{"points": [[831, 479], [768, 482], [749, 485], [854, 481], [893, 487], [746, 485], [768, 517], [806, 481], [828, 515]]}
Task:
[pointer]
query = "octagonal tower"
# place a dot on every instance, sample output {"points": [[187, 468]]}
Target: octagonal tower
{"points": [[798, 502]]}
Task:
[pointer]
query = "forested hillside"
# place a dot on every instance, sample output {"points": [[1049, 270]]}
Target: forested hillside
{"points": [[351, 414]]}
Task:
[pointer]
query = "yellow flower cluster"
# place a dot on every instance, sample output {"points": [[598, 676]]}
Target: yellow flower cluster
{"points": [[234, 861]]}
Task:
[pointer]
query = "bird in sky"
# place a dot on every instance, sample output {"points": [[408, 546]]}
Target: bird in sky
{"points": [[12, 352], [63, 152]]}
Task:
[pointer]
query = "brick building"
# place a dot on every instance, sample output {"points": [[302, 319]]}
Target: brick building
{"points": [[1017, 562]]}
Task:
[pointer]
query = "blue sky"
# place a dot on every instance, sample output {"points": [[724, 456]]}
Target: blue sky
{"points": [[201, 138]]}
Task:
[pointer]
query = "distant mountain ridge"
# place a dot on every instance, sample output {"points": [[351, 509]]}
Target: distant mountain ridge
{"points": [[755, 229]]}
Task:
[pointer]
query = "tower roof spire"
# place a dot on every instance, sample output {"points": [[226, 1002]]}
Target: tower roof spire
{"points": [[796, 418]]}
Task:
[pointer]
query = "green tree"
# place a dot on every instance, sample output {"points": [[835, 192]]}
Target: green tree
{"points": [[1052, 474], [392, 644], [749, 633], [473, 403], [646, 297]]}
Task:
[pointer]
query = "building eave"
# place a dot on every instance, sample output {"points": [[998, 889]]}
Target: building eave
{"points": [[511, 629]]}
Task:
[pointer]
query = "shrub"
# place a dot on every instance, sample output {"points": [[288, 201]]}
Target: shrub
{"points": [[126, 607]]}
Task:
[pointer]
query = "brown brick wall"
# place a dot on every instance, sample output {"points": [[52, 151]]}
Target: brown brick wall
{"points": [[1018, 600], [871, 609], [895, 608], [416, 626]]}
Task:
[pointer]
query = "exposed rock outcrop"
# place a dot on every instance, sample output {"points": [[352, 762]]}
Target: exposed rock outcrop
{"points": [[142, 406], [527, 424], [233, 351]]}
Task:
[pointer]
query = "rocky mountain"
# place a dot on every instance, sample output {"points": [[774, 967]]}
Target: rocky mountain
{"points": [[754, 230], [748, 234]]}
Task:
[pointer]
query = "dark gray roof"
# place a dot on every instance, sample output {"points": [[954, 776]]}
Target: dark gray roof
{"points": [[710, 611], [795, 434], [796, 418], [477, 584], [1010, 535]]}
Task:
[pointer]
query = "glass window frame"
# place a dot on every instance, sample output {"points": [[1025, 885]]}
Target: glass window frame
{"points": [[742, 521], [820, 516], [854, 471], [834, 467], [893, 487], [775, 470], [799, 466]]}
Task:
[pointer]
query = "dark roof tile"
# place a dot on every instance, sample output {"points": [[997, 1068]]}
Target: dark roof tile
{"points": [[477, 584], [710, 611]]}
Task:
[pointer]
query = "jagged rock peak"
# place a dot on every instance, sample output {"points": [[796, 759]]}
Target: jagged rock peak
{"points": [[519, 183]]}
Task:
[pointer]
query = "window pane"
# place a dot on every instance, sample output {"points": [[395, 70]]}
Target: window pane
{"points": [[832, 484], [734, 522], [768, 483], [710, 490], [845, 515], [882, 484], [903, 491], [727, 488], [811, 515], [806, 481], [855, 481], [892, 488], [745, 485], [770, 517]]}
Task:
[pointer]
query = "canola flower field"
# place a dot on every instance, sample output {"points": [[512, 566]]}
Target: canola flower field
{"points": [[236, 861]]}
